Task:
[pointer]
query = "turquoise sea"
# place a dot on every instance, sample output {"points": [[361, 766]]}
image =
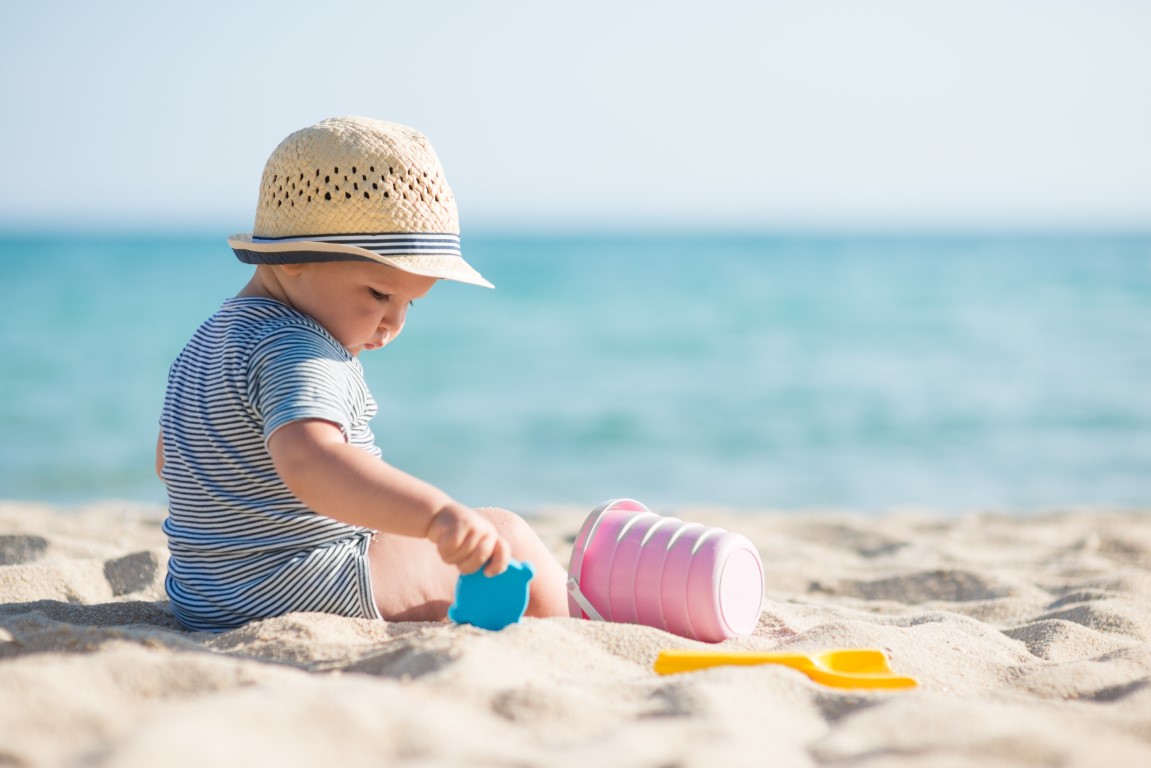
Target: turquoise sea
{"points": [[784, 371]]}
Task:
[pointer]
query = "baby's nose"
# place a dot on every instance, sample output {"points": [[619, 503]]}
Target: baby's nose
{"points": [[393, 320]]}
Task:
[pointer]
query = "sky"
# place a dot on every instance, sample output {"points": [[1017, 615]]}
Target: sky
{"points": [[837, 114]]}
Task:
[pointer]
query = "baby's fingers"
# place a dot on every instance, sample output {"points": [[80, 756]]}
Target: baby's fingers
{"points": [[500, 557], [453, 534], [469, 542], [484, 548], [458, 549], [467, 549]]}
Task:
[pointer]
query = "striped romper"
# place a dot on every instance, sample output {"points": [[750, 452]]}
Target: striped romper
{"points": [[242, 546]]}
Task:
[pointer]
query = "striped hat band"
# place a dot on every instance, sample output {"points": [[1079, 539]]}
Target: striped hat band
{"points": [[390, 244], [421, 253]]}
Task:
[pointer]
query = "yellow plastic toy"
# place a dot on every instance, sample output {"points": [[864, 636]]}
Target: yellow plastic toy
{"points": [[840, 668]]}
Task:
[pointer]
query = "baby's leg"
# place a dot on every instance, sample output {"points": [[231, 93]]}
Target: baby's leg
{"points": [[409, 580], [548, 596], [411, 583]]}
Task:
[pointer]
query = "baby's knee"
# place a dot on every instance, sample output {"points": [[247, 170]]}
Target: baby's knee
{"points": [[509, 525], [548, 594], [524, 541]]}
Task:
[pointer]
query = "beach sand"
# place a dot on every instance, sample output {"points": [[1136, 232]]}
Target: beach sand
{"points": [[1030, 636]]}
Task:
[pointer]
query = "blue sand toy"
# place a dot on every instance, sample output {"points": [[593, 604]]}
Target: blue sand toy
{"points": [[492, 603]]}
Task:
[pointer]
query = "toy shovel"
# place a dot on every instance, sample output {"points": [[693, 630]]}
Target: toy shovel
{"points": [[842, 668]]}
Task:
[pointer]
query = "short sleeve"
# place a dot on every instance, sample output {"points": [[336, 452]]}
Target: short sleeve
{"points": [[296, 373]]}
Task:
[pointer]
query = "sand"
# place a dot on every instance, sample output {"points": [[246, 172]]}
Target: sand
{"points": [[1029, 636]]}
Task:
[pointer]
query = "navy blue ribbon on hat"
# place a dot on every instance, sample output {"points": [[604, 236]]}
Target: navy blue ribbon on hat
{"points": [[387, 244]]}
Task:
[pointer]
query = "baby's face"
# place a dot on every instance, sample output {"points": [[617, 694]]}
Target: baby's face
{"points": [[363, 305]]}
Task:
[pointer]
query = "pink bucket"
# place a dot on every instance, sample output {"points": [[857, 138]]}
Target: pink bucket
{"points": [[632, 565]]}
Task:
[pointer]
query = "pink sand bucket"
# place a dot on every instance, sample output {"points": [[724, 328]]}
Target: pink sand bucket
{"points": [[632, 565]]}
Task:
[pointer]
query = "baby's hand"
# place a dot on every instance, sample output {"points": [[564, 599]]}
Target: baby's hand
{"points": [[467, 540]]}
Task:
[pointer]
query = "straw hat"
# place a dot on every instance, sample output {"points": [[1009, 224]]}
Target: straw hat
{"points": [[352, 189]]}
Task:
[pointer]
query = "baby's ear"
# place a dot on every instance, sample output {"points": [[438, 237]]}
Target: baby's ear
{"points": [[290, 270]]}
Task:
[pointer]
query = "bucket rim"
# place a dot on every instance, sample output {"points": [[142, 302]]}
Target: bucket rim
{"points": [[588, 530]]}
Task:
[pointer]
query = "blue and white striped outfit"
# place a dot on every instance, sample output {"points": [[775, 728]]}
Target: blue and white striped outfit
{"points": [[242, 546]]}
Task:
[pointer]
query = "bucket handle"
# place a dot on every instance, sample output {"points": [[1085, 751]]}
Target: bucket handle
{"points": [[577, 556], [581, 600]]}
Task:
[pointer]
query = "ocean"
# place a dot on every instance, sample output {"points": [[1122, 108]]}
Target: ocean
{"points": [[1006, 372]]}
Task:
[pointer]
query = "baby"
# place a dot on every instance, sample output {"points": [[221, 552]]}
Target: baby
{"points": [[278, 499]]}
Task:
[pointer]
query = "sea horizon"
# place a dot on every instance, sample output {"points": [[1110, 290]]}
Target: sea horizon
{"points": [[780, 369]]}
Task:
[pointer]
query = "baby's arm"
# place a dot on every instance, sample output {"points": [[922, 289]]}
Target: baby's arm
{"points": [[344, 482], [160, 455]]}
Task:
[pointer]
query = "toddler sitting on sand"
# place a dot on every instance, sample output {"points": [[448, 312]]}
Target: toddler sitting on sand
{"points": [[278, 499]]}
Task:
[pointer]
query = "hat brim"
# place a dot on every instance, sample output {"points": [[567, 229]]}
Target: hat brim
{"points": [[302, 251]]}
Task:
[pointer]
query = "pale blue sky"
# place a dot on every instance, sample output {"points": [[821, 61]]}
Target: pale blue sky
{"points": [[845, 114]]}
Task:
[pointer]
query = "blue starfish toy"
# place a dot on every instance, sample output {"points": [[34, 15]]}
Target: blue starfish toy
{"points": [[492, 603]]}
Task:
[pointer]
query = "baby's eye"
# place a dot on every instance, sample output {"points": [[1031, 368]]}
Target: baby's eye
{"points": [[378, 296]]}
